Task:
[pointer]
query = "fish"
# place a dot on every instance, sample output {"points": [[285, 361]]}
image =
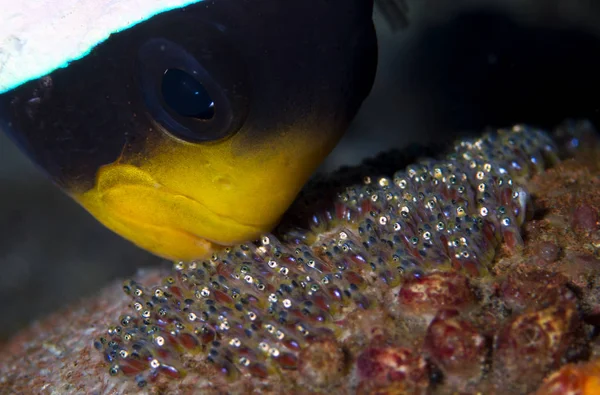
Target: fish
{"points": [[184, 126]]}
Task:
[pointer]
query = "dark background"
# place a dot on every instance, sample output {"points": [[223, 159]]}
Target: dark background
{"points": [[455, 69]]}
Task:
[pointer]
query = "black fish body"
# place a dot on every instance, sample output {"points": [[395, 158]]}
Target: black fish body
{"points": [[198, 126]]}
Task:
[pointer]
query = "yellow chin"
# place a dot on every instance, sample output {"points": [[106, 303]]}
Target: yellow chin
{"points": [[130, 202], [181, 201]]}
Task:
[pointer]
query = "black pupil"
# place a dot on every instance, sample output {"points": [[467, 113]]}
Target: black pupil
{"points": [[186, 96]]}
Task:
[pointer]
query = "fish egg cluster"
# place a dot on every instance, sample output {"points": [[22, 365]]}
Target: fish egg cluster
{"points": [[253, 308]]}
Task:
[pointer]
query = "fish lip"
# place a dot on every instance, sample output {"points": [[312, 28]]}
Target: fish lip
{"points": [[113, 201], [201, 208]]}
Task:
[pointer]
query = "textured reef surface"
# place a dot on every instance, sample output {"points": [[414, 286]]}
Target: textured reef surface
{"points": [[477, 272]]}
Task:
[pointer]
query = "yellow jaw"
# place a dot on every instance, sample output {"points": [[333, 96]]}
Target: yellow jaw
{"points": [[182, 200]]}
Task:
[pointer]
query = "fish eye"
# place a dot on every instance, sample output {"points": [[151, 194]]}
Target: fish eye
{"points": [[186, 95], [183, 94]]}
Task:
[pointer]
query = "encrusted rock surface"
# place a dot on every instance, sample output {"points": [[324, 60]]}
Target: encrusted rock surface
{"points": [[475, 273]]}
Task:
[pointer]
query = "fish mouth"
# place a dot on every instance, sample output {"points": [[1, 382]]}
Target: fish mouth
{"points": [[130, 202]]}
